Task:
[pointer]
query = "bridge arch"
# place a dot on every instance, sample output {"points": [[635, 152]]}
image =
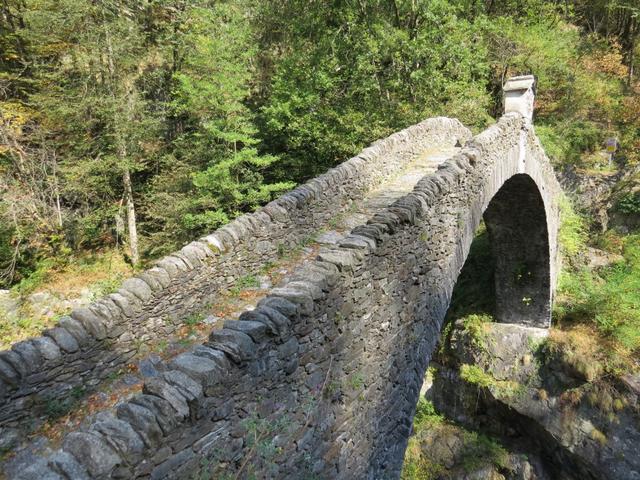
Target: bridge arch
{"points": [[517, 225], [503, 176]]}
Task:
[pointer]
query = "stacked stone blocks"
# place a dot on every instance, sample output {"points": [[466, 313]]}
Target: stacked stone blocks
{"points": [[330, 363]]}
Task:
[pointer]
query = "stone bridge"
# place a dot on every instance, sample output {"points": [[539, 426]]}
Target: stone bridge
{"points": [[320, 378]]}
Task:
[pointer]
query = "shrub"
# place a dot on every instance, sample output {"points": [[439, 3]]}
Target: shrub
{"points": [[572, 235], [480, 450], [476, 326], [426, 414], [608, 300], [629, 204]]}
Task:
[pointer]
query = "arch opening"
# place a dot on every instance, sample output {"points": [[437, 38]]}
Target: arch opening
{"points": [[517, 226]]}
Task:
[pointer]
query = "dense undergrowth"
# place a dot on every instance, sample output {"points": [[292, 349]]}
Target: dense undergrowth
{"points": [[602, 303], [88, 276]]}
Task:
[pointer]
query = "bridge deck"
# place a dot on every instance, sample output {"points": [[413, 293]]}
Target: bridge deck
{"points": [[388, 192], [360, 211]]}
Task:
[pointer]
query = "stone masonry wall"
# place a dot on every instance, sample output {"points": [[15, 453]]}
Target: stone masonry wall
{"points": [[322, 378], [85, 347]]}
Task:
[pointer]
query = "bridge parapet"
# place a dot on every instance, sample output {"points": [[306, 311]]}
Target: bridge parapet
{"points": [[97, 340]]}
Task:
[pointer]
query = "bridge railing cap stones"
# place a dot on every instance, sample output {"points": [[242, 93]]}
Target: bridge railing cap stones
{"points": [[522, 82]]}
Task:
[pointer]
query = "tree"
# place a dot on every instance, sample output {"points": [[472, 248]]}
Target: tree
{"points": [[346, 73], [94, 103], [618, 19], [213, 147]]}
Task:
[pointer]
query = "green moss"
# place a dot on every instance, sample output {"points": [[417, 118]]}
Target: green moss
{"points": [[476, 451], [476, 326], [598, 436], [475, 375], [420, 468]]}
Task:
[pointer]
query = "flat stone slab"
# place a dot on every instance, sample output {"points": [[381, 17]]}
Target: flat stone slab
{"points": [[329, 238]]}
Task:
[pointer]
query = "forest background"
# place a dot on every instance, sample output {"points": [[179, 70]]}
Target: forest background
{"points": [[128, 128]]}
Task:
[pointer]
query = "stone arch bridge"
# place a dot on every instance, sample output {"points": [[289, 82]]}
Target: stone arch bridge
{"points": [[321, 378]]}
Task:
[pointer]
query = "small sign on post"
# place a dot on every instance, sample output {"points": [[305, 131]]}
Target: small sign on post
{"points": [[611, 145]]}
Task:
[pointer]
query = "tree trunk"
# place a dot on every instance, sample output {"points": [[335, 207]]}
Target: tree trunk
{"points": [[56, 191], [632, 50], [131, 217]]}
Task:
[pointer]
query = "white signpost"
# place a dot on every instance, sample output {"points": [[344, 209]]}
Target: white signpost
{"points": [[612, 145]]}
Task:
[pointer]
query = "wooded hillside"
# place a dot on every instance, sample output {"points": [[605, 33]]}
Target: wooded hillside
{"points": [[139, 125]]}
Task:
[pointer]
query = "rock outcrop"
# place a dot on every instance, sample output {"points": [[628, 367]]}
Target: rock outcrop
{"points": [[501, 380]]}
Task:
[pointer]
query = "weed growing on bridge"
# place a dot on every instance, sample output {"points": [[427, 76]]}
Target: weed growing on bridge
{"points": [[56, 408], [260, 439], [308, 240], [338, 318], [193, 319], [247, 281], [522, 273], [331, 390], [260, 442], [356, 381], [140, 345], [264, 438], [267, 267]]}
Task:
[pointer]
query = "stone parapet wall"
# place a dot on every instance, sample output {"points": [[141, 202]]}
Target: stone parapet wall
{"points": [[91, 343], [321, 379]]}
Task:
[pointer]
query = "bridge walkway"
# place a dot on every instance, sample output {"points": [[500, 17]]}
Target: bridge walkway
{"points": [[386, 193]]}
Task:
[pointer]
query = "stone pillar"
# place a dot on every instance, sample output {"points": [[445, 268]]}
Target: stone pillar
{"points": [[519, 93]]}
